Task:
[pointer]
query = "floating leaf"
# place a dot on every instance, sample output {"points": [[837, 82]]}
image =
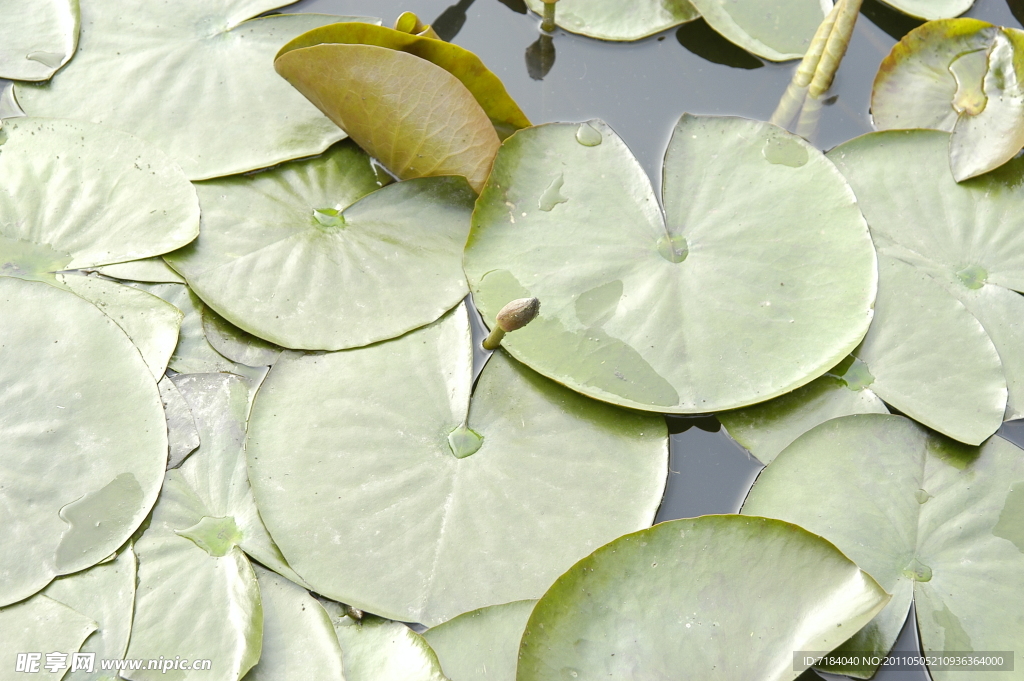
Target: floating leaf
{"points": [[932, 520], [104, 593], [233, 114], [36, 38], [485, 87], [761, 279], [962, 76], [151, 323], [237, 345], [617, 20], [78, 195], [414, 117], [153, 270], [778, 31], [968, 237], [298, 638], [307, 256], [37, 624], [182, 436], [482, 645], [679, 600], [464, 514], [931, 9], [83, 433], [376, 649]]}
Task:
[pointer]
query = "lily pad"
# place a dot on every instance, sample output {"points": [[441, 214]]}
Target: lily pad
{"points": [[930, 10], [413, 116], [617, 20], [482, 645], [932, 520], [760, 279], [151, 323], [36, 38], [237, 345], [232, 115], [966, 236], [464, 514], [962, 76], [78, 195], [679, 600], [153, 270], [307, 255], [298, 638], [182, 436], [376, 649], [485, 87], [75, 494], [104, 593], [37, 624], [777, 31]]}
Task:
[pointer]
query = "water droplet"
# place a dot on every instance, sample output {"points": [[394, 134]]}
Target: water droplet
{"points": [[969, 71], [674, 249], [51, 59], [973, 276], [216, 536], [464, 442], [329, 219], [922, 496], [917, 571], [857, 376], [784, 151], [97, 520], [552, 195], [588, 136]]}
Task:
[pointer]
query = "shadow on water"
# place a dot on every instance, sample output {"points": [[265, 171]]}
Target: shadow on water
{"points": [[704, 41]]}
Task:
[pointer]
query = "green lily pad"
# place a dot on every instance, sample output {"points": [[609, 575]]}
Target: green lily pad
{"points": [[36, 38], [930, 10], [234, 115], [78, 195], [482, 645], [40, 624], [298, 638], [152, 270], [151, 323], [237, 345], [73, 495], [679, 600], [422, 122], [182, 436], [376, 649], [485, 87], [966, 236], [722, 305], [456, 510], [104, 593], [962, 76], [618, 20], [932, 520], [766, 429], [307, 255], [777, 31]]}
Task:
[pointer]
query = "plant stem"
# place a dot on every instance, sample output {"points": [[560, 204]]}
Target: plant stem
{"points": [[548, 23], [493, 340]]}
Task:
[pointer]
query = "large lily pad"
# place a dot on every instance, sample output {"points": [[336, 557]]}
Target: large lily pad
{"points": [[307, 255], [78, 195], [618, 20], [36, 625], [298, 638], [679, 600], [931, 520], [776, 31], [482, 645], [486, 87], [462, 514], [931, 9], [967, 236], [413, 116], [36, 38], [962, 76], [232, 113], [760, 279], [83, 431]]}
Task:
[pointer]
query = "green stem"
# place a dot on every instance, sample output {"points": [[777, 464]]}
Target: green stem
{"points": [[494, 339], [548, 23]]}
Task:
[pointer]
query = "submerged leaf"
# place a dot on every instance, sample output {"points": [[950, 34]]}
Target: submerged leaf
{"points": [[182, 436], [36, 37], [482, 645], [549, 476], [777, 31], [740, 295], [678, 600], [229, 115], [962, 76], [416, 118], [932, 520], [307, 255], [618, 20], [83, 432]]}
